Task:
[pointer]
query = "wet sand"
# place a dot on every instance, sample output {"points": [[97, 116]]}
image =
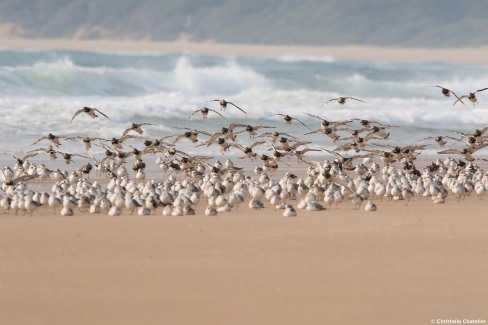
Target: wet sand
{"points": [[473, 55], [399, 265]]}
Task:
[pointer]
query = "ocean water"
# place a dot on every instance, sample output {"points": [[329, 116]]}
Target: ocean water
{"points": [[41, 90]]}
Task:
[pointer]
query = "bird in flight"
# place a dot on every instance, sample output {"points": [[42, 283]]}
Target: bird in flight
{"points": [[135, 127], [223, 104], [288, 119], [447, 92], [342, 100], [471, 96], [88, 111], [205, 111]]}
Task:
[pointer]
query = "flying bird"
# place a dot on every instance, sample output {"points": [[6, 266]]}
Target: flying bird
{"points": [[288, 119], [471, 96], [223, 104], [342, 100], [439, 139], [205, 111], [190, 134], [88, 111], [465, 152], [447, 92], [332, 124], [135, 127], [51, 137]]}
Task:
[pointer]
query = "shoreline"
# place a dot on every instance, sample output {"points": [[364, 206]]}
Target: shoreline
{"points": [[349, 52]]}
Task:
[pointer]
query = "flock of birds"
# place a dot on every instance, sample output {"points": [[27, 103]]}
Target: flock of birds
{"points": [[376, 170]]}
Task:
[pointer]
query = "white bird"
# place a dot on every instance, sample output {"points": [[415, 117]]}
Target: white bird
{"points": [[289, 211], [370, 206]]}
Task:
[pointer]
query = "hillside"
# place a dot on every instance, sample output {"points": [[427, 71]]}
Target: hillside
{"points": [[414, 23]]}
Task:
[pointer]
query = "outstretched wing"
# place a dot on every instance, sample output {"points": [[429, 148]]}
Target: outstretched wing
{"points": [[359, 100], [237, 107], [210, 109], [316, 116], [460, 99], [330, 100], [78, 112], [480, 90], [302, 123], [96, 109]]}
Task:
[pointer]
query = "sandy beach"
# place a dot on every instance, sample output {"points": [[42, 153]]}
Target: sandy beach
{"points": [[366, 53], [398, 265], [415, 263]]}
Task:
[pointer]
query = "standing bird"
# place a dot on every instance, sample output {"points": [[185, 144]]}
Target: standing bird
{"points": [[223, 104], [470, 96], [342, 100], [89, 111]]}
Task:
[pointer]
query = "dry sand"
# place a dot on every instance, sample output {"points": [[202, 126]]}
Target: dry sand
{"points": [[475, 55], [399, 265]]}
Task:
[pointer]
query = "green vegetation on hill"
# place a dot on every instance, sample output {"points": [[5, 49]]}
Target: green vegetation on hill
{"points": [[431, 23]]}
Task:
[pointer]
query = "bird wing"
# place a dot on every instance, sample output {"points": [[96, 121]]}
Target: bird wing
{"points": [[39, 140], [78, 112], [210, 109], [334, 153], [483, 89], [204, 133], [330, 100], [426, 138], [198, 110], [313, 131], [479, 147], [127, 131], [75, 154], [298, 144], [178, 138], [316, 116], [237, 107], [23, 178], [238, 146], [460, 99], [232, 126], [128, 136], [309, 149], [359, 100], [301, 123], [257, 143], [96, 109], [450, 151]]}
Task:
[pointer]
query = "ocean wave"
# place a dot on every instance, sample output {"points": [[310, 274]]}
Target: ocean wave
{"points": [[39, 95]]}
